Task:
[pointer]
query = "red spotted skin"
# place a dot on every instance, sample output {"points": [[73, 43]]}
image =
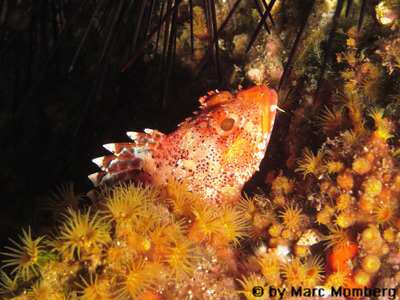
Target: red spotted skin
{"points": [[214, 160]]}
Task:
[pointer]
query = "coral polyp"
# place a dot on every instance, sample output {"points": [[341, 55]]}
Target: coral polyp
{"points": [[291, 216], [66, 198], [294, 272], [248, 284], [138, 279], [8, 285], [270, 268], [339, 238], [42, 291], [233, 226], [93, 290], [206, 223], [179, 196], [310, 164], [179, 257], [332, 121], [376, 113], [383, 214], [314, 272], [371, 88], [28, 257], [338, 279], [123, 209], [383, 133], [286, 98], [83, 231]]}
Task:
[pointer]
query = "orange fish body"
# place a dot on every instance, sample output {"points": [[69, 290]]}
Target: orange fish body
{"points": [[216, 151]]}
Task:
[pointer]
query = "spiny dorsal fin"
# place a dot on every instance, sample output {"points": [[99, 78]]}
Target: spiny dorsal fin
{"points": [[130, 148]]}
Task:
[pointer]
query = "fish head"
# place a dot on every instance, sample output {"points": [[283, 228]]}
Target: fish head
{"points": [[227, 140]]}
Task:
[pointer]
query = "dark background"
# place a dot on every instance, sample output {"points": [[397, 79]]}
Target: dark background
{"points": [[54, 122]]}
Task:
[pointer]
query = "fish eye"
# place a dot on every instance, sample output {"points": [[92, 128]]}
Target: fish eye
{"points": [[227, 124]]}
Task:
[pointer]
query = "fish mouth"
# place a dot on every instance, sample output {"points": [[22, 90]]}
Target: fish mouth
{"points": [[267, 100], [270, 98]]}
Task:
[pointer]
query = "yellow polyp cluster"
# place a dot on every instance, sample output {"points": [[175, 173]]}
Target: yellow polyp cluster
{"points": [[383, 214], [292, 217], [383, 133], [138, 243], [390, 235], [348, 74], [114, 254], [178, 258], [363, 78], [344, 219], [248, 284], [248, 206], [43, 291], [371, 88], [199, 24], [353, 185], [370, 263], [362, 165], [294, 272], [59, 204], [270, 268], [373, 70], [356, 107], [361, 278], [27, 258], [283, 185], [200, 34], [178, 196], [348, 56], [301, 250], [383, 126], [372, 186], [325, 215], [338, 279], [83, 231], [345, 180], [121, 246], [166, 235], [206, 223], [339, 238], [350, 137], [8, 285], [286, 98], [343, 201], [122, 210], [275, 229], [138, 278], [332, 167], [233, 226], [282, 188], [93, 290], [332, 121], [314, 272], [371, 240], [376, 113], [310, 164]]}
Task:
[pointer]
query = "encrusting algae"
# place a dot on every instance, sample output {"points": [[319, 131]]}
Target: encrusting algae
{"points": [[325, 220]]}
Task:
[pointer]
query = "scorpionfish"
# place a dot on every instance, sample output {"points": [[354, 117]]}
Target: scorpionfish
{"points": [[216, 151]]}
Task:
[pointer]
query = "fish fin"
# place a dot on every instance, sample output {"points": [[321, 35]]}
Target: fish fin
{"points": [[115, 164], [108, 179], [150, 136], [130, 148], [128, 160]]}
